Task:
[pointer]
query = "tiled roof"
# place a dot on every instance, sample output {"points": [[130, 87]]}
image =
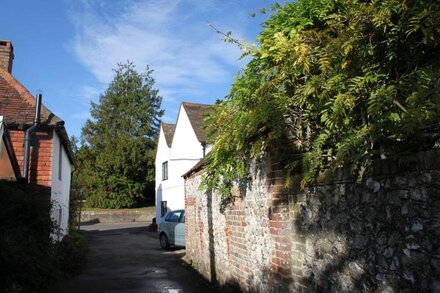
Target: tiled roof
{"points": [[17, 105], [196, 114], [168, 130]]}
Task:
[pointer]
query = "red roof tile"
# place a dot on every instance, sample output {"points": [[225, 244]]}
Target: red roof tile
{"points": [[17, 105]]}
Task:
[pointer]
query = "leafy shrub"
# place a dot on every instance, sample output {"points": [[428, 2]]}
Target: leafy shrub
{"points": [[71, 253], [26, 249], [30, 261]]}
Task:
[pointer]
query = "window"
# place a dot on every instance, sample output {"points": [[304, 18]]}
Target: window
{"points": [[163, 208], [165, 170], [174, 217], [60, 161]]}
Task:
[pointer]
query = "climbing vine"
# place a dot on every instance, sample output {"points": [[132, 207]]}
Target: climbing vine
{"points": [[346, 81]]}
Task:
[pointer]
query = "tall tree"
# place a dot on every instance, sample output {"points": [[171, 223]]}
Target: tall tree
{"points": [[117, 153]]}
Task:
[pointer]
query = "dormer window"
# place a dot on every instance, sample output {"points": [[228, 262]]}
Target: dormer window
{"points": [[165, 170]]}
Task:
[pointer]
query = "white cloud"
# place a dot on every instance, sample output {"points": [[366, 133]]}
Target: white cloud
{"points": [[89, 93], [83, 115], [172, 36]]}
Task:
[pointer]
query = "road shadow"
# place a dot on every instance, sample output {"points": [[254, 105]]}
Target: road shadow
{"points": [[102, 229], [97, 228], [90, 222], [124, 258]]}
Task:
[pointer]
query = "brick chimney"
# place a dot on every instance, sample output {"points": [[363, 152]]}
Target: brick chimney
{"points": [[6, 55]]}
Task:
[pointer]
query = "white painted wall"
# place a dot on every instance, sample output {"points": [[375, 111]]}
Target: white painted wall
{"points": [[162, 155], [185, 143], [60, 195], [185, 152]]}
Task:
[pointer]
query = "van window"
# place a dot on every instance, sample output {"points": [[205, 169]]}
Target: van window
{"points": [[173, 217]]}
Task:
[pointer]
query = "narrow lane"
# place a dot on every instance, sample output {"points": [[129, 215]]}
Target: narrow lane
{"points": [[127, 258]]}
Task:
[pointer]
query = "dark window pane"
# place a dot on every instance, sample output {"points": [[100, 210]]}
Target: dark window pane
{"points": [[163, 207], [165, 170]]}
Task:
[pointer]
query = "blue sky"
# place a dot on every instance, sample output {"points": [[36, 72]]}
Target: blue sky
{"points": [[68, 48]]}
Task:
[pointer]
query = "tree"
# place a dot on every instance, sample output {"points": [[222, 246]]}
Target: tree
{"points": [[346, 81], [116, 157]]}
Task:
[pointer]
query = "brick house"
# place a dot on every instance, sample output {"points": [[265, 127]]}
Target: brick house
{"points": [[51, 160]]}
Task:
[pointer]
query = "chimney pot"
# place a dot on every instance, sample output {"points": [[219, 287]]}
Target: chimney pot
{"points": [[6, 55]]}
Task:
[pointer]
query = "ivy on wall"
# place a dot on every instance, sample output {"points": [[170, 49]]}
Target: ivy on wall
{"points": [[346, 81]]}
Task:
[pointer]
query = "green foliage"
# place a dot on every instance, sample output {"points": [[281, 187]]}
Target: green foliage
{"points": [[346, 81], [116, 158], [30, 260], [71, 252], [26, 249], [76, 193]]}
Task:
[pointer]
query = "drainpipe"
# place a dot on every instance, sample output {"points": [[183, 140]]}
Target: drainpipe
{"points": [[27, 138], [203, 143]]}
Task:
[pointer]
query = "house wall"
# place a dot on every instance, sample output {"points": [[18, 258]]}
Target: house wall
{"points": [[162, 155], [184, 153], [43, 172], [382, 234], [185, 146], [60, 193], [40, 171]]}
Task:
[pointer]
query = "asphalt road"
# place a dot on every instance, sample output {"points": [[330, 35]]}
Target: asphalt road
{"points": [[127, 258]]}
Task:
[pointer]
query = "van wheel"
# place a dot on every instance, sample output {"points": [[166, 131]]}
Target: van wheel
{"points": [[164, 243]]}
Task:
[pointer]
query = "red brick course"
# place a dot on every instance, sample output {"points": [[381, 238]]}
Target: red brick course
{"points": [[236, 242], [40, 171]]}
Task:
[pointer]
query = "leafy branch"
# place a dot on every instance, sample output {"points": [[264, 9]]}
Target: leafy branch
{"points": [[345, 81]]}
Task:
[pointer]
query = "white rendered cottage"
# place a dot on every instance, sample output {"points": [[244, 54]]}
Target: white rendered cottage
{"points": [[180, 147]]}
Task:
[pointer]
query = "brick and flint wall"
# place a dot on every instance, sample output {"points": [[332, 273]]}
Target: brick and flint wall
{"points": [[381, 234]]}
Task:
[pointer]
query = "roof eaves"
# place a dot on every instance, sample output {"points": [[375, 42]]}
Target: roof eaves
{"points": [[195, 169], [64, 137], [52, 119], [10, 149]]}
